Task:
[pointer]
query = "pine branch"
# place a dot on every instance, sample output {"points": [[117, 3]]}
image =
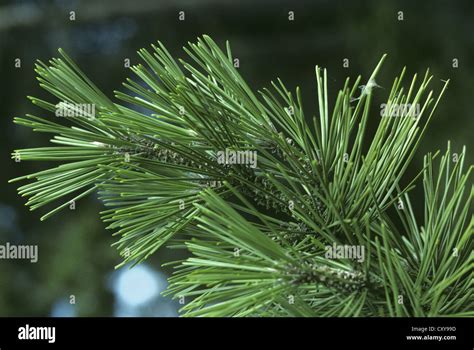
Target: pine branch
{"points": [[258, 232]]}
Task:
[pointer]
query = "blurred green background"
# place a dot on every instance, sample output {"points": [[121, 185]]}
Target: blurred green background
{"points": [[76, 262]]}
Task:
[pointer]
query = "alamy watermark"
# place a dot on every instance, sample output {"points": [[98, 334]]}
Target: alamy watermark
{"points": [[229, 156], [352, 252], [400, 110], [13, 251], [37, 333], [75, 110]]}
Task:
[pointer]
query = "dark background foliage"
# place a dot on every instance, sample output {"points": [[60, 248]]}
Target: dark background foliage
{"points": [[75, 257]]}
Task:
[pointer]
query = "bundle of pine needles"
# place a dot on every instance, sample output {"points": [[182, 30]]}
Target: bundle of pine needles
{"points": [[258, 229]]}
